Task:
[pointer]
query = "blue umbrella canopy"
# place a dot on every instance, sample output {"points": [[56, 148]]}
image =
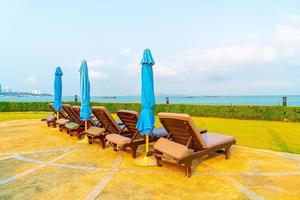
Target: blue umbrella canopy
{"points": [[85, 109], [146, 119], [58, 89]]}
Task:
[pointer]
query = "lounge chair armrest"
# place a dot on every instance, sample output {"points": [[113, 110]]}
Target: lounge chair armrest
{"points": [[203, 130]]}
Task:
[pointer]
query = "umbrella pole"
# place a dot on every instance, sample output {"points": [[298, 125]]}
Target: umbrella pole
{"points": [[145, 160], [147, 144], [57, 117], [85, 125]]}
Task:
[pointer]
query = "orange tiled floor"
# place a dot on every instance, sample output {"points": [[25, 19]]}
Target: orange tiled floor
{"points": [[37, 162]]}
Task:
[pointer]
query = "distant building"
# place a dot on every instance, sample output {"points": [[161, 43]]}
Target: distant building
{"points": [[36, 92]]}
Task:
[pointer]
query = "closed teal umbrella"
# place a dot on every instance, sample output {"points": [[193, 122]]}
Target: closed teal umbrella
{"points": [[58, 89], [146, 120], [85, 109]]}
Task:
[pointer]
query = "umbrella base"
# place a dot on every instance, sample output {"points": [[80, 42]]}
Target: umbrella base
{"points": [[146, 161], [85, 140]]}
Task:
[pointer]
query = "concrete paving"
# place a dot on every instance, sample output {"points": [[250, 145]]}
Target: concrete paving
{"points": [[37, 162]]}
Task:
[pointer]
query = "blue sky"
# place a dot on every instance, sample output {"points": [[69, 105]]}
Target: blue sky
{"points": [[200, 47]]}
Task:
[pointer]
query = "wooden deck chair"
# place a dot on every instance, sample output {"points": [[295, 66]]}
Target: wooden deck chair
{"points": [[92, 120], [130, 118], [73, 118], [132, 138], [75, 125], [106, 125], [185, 143], [52, 118], [63, 121], [80, 131]]}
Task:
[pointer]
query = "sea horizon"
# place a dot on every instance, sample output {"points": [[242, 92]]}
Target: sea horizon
{"points": [[269, 100]]}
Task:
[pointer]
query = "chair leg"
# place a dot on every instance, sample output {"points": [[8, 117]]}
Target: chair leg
{"points": [[149, 153], [188, 169], [102, 140], [90, 140], [227, 151], [158, 156], [133, 150], [115, 147], [80, 134]]}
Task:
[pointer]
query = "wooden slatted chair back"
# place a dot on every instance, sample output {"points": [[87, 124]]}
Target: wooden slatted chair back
{"points": [[61, 113], [71, 113], [182, 129], [106, 120], [77, 111], [129, 119]]}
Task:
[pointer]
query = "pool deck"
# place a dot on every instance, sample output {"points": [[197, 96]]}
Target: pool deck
{"points": [[38, 162]]}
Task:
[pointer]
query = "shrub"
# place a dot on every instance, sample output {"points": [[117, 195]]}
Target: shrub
{"points": [[271, 113]]}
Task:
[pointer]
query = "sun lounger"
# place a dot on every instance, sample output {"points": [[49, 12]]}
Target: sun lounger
{"points": [[71, 115], [75, 125], [93, 120], [106, 125], [64, 120], [52, 118], [184, 142], [132, 138]]}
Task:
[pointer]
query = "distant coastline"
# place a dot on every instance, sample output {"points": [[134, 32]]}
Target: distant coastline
{"points": [[106, 97], [24, 94], [268, 100]]}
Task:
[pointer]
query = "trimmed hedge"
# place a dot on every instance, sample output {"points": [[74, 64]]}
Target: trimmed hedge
{"points": [[23, 106], [270, 113]]}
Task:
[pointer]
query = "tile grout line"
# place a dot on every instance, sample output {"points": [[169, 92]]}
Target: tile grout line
{"points": [[6, 155], [18, 156], [97, 190], [249, 193], [12, 178], [246, 191]]}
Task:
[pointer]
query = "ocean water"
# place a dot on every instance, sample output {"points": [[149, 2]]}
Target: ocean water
{"points": [[274, 100]]}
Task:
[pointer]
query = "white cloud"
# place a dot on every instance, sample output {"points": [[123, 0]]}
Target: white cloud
{"points": [[293, 19], [97, 75], [99, 63], [167, 68], [287, 35], [221, 67], [163, 68], [233, 55], [133, 67], [271, 84], [31, 80], [216, 64], [210, 64], [126, 51], [166, 71], [286, 39]]}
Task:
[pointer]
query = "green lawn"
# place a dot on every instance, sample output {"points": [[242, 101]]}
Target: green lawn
{"points": [[278, 136], [22, 115], [273, 135]]}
